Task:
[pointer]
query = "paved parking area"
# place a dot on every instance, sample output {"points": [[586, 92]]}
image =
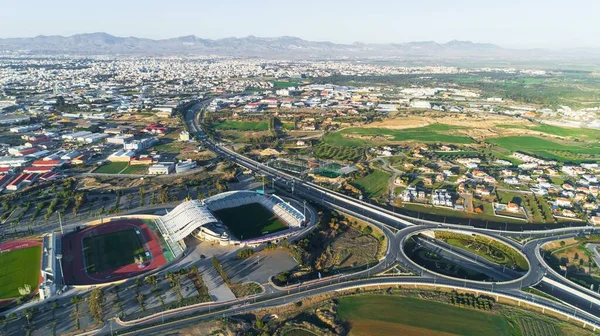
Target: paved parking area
{"points": [[260, 267]]}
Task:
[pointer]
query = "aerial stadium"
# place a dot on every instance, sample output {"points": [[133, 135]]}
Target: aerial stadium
{"points": [[118, 248]]}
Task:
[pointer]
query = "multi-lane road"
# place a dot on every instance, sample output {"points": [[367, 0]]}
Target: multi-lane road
{"points": [[578, 303]]}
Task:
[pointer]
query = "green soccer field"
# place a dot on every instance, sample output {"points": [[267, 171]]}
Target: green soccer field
{"points": [[111, 250], [250, 221], [18, 268]]}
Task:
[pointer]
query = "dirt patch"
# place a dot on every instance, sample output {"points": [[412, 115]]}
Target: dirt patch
{"points": [[215, 327], [352, 248], [556, 244]]}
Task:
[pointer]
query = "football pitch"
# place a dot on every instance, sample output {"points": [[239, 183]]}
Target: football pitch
{"points": [[18, 268], [250, 221], [112, 250]]}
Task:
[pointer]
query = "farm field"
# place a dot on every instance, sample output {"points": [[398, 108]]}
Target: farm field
{"points": [[243, 125], [18, 268], [250, 221], [390, 315], [111, 168], [366, 135], [373, 185], [547, 149], [111, 250]]}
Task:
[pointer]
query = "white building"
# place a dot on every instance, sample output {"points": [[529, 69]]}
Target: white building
{"points": [[25, 129], [136, 145], [161, 168], [184, 166], [121, 139]]}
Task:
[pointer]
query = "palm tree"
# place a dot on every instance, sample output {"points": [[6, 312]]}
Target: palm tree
{"points": [[152, 280], [53, 308], [76, 315], [75, 300]]}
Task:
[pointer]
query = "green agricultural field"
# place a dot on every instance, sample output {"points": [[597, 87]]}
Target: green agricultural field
{"points": [[243, 125], [373, 185], [392, 315], [18, 268], [432, 133], [111, 168], [111, 250], [250, 221], [547, 149]]}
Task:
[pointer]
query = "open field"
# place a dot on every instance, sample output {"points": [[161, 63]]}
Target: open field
{"points": [[243, 125], [250, 221], [111, 168], [18, 268], [440, 211], [169, 146], [373, 185], [111, 250], [364, 135], [572, 132], [390, 315], [547, 149]]}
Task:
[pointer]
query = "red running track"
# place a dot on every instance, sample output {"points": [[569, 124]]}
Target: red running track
{"points": [[74, 259], [17, 245]]}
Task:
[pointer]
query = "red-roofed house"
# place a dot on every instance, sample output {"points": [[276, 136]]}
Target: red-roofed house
{"points": [[48, 163], [39, 170], [16, 183]]}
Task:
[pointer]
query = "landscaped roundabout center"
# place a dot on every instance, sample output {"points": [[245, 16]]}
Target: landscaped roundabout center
{"points": [[465, 255]]}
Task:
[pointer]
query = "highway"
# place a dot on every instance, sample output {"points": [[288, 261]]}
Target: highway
{"points": [[578, 303], [377, 215]]}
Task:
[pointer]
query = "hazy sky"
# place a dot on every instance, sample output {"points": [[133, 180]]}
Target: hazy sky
{"points": [[510, 23]]}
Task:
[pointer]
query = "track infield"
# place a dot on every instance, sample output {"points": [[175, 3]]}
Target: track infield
{"points": [[105, 253], [112, 250], [250, 221], [19, 265]]}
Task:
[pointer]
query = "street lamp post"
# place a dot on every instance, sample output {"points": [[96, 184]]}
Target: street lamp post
{"points": [[62, 274]]}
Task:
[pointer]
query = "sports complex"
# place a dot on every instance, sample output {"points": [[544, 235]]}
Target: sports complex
{"points": [[115, 249]]}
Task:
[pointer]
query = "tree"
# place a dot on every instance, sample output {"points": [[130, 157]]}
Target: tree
{"points": [[152, 280], [562, 243], [95, 304]]}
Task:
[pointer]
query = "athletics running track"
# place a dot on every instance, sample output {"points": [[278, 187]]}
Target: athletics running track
{"points": [[74, 260]]}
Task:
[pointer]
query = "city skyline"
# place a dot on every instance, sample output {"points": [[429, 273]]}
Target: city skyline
{"points": [[534, 25]]}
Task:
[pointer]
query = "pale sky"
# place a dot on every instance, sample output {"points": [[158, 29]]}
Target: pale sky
{"points": [[509, 23]]}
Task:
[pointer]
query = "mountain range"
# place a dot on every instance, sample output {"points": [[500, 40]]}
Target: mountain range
{"points": [[284, 46]]}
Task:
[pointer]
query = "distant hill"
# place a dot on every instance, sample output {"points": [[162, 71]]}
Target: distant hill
{"points": [[284, 46]]}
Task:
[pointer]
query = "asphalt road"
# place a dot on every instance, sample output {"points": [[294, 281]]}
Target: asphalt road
{"points": [[574, 302]]}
